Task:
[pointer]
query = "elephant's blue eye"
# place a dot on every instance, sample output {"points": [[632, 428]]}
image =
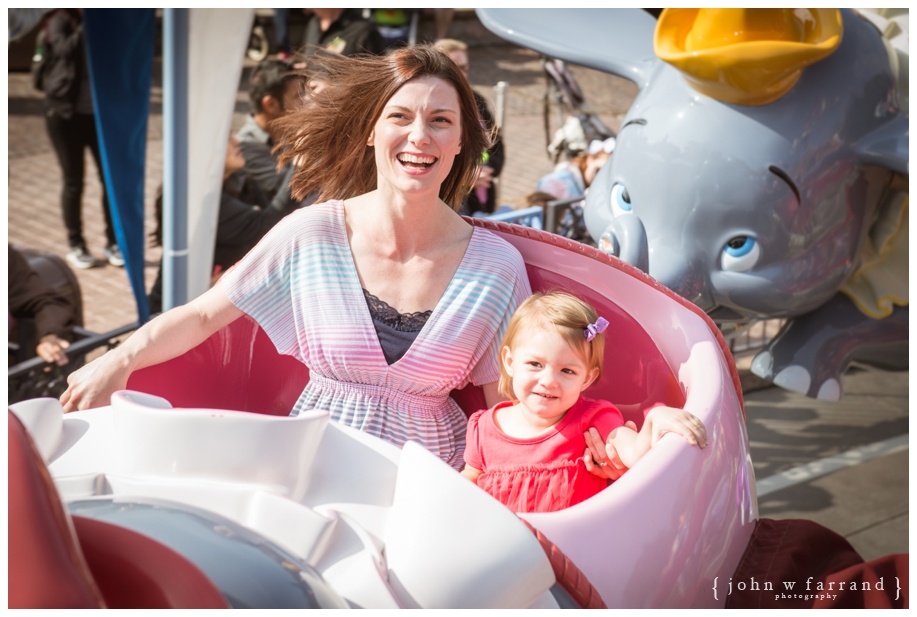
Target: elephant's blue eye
{"points": [[739, 246], [620, 200], [741, 254]]}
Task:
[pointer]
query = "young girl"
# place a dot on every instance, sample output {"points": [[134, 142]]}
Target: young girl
{"points": [[528, 452]]}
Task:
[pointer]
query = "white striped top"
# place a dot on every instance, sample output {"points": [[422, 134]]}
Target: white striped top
{"points": [[301, 285]]}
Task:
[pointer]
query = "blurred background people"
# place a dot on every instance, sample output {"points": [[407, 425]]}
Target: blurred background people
{"points": [[342, 31], [32, 298], [71, 127], [483, 197], [245, 215], [273, 91], [443, 19], [574, 177], [282, 33]]}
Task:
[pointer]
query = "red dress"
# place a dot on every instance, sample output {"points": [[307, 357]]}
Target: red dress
{"points": [[544, 473]]}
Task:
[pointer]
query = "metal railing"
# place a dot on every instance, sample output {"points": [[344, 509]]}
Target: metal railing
{"points": [[752, 336], [34, 378]]}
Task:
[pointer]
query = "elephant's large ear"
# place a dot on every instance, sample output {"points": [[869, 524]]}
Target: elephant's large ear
{"points": [[616, 41], [887, 146]]}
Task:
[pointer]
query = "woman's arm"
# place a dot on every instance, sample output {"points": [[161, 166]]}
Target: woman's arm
{"points": [[471, 473], [492, 394], [165, 337]]}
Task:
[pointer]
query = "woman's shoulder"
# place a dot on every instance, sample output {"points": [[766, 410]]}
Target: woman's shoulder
{"points": [[316, 217], [494, 252]]}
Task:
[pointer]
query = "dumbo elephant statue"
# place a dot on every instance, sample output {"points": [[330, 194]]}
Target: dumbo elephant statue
{"points": [[761, 172]]}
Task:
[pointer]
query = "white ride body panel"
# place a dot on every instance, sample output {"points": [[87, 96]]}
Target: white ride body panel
{"points": [[386, 528]]}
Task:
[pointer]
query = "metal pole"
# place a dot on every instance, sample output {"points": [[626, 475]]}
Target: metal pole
{"points": [[499, 112], [175, 159], [412, 29], [500, 102]]}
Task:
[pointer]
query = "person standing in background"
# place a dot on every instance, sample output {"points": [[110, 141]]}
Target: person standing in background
{"points": [[281, 31], [483, 197], [70, 120], [443, 19], [342, 31]]}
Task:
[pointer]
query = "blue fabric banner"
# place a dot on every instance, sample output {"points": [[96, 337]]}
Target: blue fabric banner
{"points": [[119, 48]]}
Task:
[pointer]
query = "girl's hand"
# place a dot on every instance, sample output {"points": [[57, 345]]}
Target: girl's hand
{"points": [[92, 385], [664, 420], [602, 459]]}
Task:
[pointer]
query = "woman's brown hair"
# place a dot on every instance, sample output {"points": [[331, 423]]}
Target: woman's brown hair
{"points": [[327, 138]]}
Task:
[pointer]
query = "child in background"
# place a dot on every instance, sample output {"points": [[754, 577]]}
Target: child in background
{"points": [[528, 452]]}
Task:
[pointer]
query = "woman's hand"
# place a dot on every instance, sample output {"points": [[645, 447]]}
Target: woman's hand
{"points": [[92, 385], [165, 337], [602, 459]]}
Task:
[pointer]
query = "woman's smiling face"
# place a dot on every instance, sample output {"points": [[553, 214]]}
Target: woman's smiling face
{"points": [[417, 136]]}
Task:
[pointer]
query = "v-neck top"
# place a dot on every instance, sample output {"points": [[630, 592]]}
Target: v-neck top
{"points": [[301, 285], [396, 331]]}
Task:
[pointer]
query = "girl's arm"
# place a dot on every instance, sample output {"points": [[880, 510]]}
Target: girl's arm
{"points": [[631, 445], [166, 337], [471, 473]]}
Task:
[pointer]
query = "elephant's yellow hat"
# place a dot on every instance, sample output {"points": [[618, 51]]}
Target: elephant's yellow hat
{"points": [[746, 56]]}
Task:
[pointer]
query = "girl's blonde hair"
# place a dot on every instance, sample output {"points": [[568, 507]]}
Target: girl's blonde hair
{"points": [[565, 313]]}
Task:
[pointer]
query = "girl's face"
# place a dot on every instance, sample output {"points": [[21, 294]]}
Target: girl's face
{"points": [[417, 137], [548, 375]]}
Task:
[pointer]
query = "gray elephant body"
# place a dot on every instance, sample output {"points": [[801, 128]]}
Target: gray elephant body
{"points": [[756, 212]]}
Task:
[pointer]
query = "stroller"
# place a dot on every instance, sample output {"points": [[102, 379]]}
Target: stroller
{"points": [[582, 132]]}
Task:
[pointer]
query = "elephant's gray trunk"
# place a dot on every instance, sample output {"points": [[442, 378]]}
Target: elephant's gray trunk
{"points": [[625, 238]]}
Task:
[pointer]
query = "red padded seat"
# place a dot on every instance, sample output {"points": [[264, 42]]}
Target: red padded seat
{"points": [[238, 368], [135, 571], [46, 566]]}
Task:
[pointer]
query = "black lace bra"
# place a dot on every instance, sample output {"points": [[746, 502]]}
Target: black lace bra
{"points": [[396, 331], [403, 322]]}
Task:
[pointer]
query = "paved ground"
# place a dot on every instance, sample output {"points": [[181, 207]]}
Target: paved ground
{"points": [[867, 503]]}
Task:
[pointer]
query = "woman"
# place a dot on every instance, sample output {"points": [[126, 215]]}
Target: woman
{"points": [[396, 138]]}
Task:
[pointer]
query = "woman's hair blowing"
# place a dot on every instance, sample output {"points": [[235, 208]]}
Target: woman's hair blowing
{"points": [[326, 139]]}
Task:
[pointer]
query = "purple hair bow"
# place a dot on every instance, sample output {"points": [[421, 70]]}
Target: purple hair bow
{"points": [[595, 328]]}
